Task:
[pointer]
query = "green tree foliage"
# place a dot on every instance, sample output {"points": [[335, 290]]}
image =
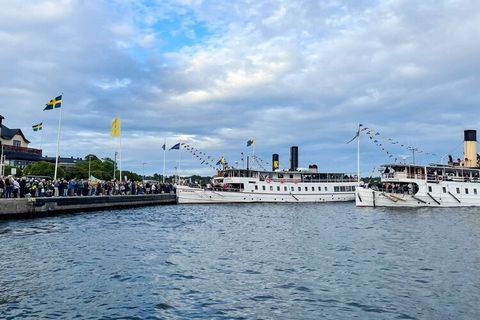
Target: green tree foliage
{"points": [[43, 168]]}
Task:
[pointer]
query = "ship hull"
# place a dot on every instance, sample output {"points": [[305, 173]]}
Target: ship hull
{"points": [[366, 197], [193, 195]]}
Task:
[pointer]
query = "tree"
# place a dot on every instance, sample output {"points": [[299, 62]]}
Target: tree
{"points": [[43, 168]]}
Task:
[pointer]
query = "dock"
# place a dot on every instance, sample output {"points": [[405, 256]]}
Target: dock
{"points": [[41, 207]]}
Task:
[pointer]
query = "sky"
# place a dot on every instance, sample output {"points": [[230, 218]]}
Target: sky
{"points": [[213, 74]]}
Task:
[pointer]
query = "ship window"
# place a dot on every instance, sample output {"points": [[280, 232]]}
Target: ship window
{"points": [[285, 188], [306, 188], [326, 189], [313, 188], [271, 188], [263, 188], [292, 188], [429, 188], [353, 188], [278, 188], [444, 190], [299, 189], [256, 187], [458, 190], [466, 190], [342, 189], [336, 189], [291, 176], [474, 191], [319, 188], [17, 143]]}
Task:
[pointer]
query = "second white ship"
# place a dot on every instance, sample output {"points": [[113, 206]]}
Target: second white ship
{"points": [[233, 185]]}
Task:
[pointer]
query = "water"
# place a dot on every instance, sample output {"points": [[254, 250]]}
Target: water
{"points": [[251, 261]]}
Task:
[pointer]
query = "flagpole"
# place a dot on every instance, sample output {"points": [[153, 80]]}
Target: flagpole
{"points": [[1, 162], [358, 155], [58, 139], [164, 151], [121, 177], [178, 166]]}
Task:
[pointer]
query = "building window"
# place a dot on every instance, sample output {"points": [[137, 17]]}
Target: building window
{"points": [[429, 188], [17, 143], [444, 190]]}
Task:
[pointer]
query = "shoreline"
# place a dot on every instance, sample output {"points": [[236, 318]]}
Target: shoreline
{"points": [[20, 208]]}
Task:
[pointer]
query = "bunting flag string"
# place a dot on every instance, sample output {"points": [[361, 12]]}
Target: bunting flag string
{"points": [[203, 157], [382, 141]]}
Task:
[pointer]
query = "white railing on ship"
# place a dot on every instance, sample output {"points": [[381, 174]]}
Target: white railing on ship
{"points": [[310, 181]]}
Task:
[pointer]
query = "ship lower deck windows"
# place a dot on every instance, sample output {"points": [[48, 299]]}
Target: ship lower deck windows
{"points": [[319, 188], [429, 188], [278, 188], [313, 188], [458, 190], [466, 190], [444, 190], [299, 189], [292, 188], [336, 189], [474, 191], [263, 188], [285, 188], [306, 188], [271, 188], [256, 187], [326, 189]]}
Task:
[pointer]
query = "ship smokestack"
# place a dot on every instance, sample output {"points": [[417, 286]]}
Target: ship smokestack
{"points": [[470, 148], [293, 158], [275, 163]]}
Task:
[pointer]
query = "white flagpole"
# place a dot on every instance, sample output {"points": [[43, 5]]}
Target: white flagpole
{"points": [[1, 162], [58, 139], [164, 151], [358, 156], [121, 177], [178, 166]]}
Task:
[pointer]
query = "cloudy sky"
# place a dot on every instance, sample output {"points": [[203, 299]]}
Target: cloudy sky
{"points": [[214, 74]]}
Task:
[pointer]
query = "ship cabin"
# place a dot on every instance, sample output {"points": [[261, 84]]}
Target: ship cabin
{"points": [[404, 178], [235, 179]]}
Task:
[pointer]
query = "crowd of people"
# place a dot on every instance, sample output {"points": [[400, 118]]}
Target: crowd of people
{"points": [[13, 187]]}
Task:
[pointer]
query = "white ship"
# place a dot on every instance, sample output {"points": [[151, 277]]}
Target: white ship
{"points": [[403, 185], [293, 185]]}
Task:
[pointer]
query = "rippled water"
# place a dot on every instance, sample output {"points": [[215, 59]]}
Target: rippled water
{"points": [[252, 261]]}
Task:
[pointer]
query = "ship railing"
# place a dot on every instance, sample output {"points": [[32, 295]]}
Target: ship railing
{"points": [[282, 180]]}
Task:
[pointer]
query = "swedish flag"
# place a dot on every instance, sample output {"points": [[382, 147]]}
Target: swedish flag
{"points": [[221, 161], [38, 126], [55, 103]]}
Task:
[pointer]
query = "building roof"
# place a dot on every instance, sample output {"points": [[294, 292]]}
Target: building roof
{"points": [[8, 133]]}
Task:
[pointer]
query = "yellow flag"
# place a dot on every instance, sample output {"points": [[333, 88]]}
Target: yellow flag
{"points": [[116, 127]]}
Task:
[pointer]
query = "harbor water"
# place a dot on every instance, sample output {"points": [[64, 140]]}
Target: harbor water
{"points": [[248, 261]]}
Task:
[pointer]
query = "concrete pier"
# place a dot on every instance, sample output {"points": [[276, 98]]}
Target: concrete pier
{"points": [[40, 207]]}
